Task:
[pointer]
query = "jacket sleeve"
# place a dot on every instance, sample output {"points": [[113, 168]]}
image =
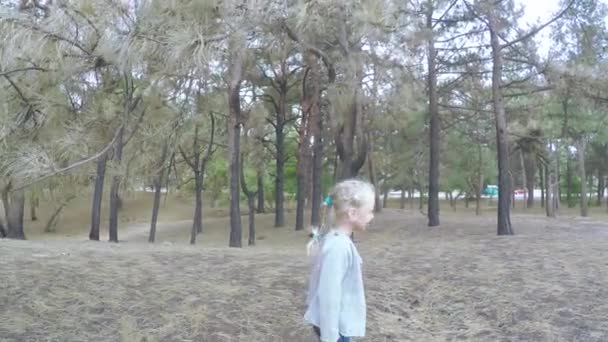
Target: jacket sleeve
{"points": [[336, 258]]}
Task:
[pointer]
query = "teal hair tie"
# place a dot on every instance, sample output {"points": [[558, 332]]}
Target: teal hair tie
{"points": [[327, 201]]}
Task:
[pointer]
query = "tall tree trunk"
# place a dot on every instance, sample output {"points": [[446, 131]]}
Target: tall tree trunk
{"points": [[555, 189], [251, 205], [235, 123], [402, 199], [434, 137], [97, 197], [352, 161], [307, 124], [158, 183], [34, 201], [479, 187], [6, 203], [279, 180], [530, 171], [372, 175], [235, 211], [114, 189], [557, 198], [569, 182], [451, 198], [502, 144], [155, 208], [15, 215], [301, 182], [582, 146], [260, 178], [385, 199], [550, 210], [523, 179], [316, 116], [317, 174], [300, 200], [542, 186], [478, 200], [410, 197], [2, 230], [197, 222], [601, 185]]}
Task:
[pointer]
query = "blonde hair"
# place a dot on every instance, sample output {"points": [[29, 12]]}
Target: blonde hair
{"points": [[345, 195]]}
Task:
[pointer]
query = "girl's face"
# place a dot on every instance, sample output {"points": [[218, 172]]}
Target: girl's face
{"points": [[361, 217]]}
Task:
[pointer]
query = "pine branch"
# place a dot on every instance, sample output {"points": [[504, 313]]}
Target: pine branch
{"points": [[6, 73], [75, 165], [331, 72], [440, 19], [538, 29]]}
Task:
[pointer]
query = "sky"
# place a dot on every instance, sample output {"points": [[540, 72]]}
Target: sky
{"points": [[541, 11]]}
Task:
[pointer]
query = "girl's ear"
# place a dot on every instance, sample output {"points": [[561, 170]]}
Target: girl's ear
{"points": [[352, 214]]}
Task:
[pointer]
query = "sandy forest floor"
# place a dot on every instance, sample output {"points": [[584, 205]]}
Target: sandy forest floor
{"points": [[459, 282]]}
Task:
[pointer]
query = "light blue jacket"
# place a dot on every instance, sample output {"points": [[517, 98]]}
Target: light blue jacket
{"points": [[336, 298]]}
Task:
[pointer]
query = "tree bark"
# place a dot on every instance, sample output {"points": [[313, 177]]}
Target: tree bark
{"points": [[582, 146], [385, 199], [480, 175], [410, 196], [601, 185], [542, 186], [198, 214], [549, 209], [234, 149], [15, 216], [303, 167], [97, 197], [50, 225], [300, 201], [250, 194], [502, 144], [316, 117], [569, 175], [6, 204], [317, 174], [308, 125], [530, 169], [235, 123], [434, 133], [524, 179], [372, 175], [33, 206], [402, 199], [155, 209], [279, 180], [352, 160], [197, 221], [261, 207], [251, 204], [158, 183], [234, 159], [114, 189]]}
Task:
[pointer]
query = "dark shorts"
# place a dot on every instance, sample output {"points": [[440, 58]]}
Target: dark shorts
{"points": [[318, 333]]}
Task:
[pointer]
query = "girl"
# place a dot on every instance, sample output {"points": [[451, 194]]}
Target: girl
{"points": [[336, 300]]}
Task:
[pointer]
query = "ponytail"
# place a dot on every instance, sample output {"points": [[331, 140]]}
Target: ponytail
{"points": [[317, 233]]}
